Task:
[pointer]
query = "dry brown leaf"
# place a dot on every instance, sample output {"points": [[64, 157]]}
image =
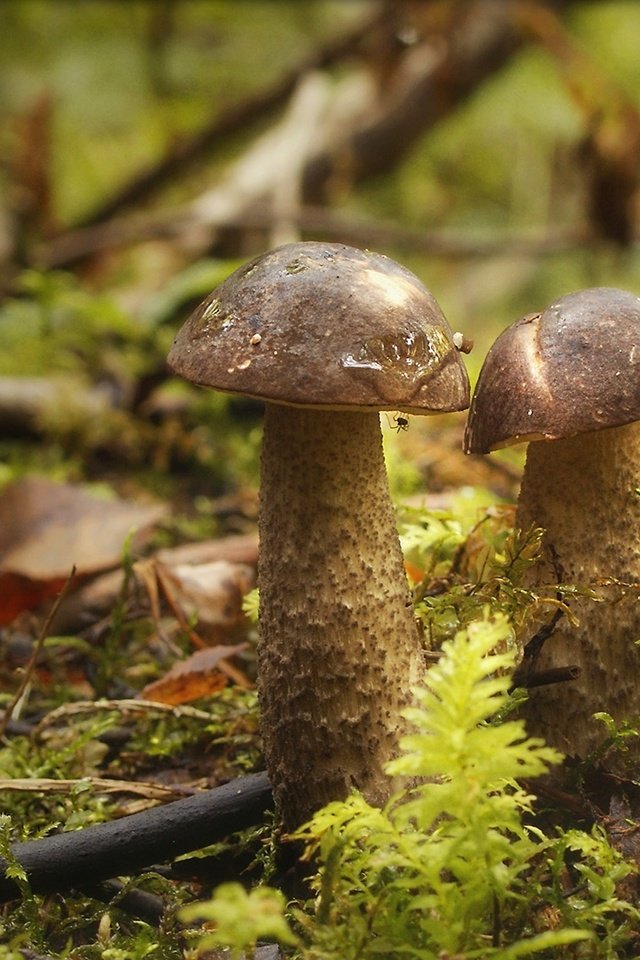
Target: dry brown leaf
{"points": [[236, 548], [46, 528], [20, 593], [98, 596], [199, 675], [212, 592]]}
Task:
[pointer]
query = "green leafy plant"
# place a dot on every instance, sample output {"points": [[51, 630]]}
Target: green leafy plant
{"points": [[471, 558], [241, 918], [453, 867]]}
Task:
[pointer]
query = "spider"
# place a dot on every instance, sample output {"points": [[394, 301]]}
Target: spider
{"points": [[400, 422]]}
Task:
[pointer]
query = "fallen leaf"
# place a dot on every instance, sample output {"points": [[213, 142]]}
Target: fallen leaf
{"points": [[211, 592], [96, 598], [197, 676], [46, 528], [20, 593], [236, 548]]}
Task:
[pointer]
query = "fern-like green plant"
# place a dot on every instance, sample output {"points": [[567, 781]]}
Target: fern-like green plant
{"points": [[242, 918], [434, 873], [452, 869]]}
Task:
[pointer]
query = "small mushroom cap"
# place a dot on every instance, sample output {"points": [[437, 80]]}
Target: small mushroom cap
{"points": [[572, 369], [326, 325]]}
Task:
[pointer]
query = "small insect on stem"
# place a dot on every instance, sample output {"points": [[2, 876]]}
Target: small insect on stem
{"points": [[400, 422]]}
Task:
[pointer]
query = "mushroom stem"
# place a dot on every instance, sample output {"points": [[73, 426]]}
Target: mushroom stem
{"points": [[583, 491], [339, 649]]}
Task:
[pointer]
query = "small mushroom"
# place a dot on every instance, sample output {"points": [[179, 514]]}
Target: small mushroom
{"points": [[328, 336], [567, 380]]}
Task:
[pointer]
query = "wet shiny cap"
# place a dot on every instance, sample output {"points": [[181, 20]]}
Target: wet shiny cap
{"points": [[323, 324], [572, 369]]}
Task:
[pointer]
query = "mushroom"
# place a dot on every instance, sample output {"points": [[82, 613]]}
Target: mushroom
{"points": [[327, 336], [567, 380]]}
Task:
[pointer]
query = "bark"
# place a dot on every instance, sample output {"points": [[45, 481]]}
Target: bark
{"points": [[339, 650], [82, 858], [583, 492]]}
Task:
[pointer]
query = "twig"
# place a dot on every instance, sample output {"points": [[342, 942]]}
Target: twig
{"points": [[137, 903], [31, 665], [542, 788], [151, 791], [368, 231], [542, 678], [121, 706], [537, 641], [373, 140], [477, 40], [24, 402]]}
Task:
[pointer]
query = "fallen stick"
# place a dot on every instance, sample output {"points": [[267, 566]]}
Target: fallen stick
{"points": [[131, 844]]}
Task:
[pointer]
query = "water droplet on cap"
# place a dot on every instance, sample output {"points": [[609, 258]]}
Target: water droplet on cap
{"points": [[399, 366]]}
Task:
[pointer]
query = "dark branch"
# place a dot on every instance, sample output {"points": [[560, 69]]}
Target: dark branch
{"points": [[535, 644], [70, 247], [542, 678], [480, 40], [83, 858]]}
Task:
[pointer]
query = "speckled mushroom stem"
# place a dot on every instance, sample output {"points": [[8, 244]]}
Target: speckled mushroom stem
{"points": [[339, 650], [583, 491]]}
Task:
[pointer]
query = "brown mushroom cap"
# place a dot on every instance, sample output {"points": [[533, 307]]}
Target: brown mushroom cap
{"points": [[572, 369], [326, 325]]}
